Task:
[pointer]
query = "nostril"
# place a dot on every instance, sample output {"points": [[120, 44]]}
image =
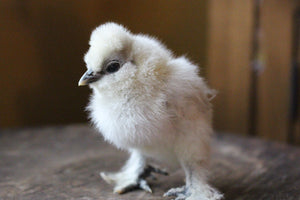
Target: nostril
{"points": [[90, 73]]}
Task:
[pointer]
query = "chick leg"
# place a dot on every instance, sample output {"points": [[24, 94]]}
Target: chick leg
{"points": [[132, 175], [197, 187], [179, 193]]}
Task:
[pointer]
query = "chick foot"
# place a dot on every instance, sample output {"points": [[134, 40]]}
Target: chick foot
{"points": [[180, 193], [184, 193], [205, 193], [126, 181]]}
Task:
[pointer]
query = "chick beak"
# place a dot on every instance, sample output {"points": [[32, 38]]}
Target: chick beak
{"points": [[88, 77]]}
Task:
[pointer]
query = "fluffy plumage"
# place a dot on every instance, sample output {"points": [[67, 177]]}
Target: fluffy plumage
{"points": [[152, 105]]}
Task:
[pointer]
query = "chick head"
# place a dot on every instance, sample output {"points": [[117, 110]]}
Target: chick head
{"points": [[116, 56]]}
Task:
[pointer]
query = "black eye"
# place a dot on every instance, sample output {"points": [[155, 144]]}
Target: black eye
{"points": [[113, 67]]}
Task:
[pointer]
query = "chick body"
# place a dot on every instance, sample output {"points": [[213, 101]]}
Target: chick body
{"points": [[155, 105]]}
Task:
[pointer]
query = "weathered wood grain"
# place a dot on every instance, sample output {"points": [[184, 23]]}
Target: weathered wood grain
{"points": [[274, 80], [64, 162], [229, 68]]}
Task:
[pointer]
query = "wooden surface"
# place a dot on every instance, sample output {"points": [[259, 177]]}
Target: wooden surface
{"points": [[249, 63], [64, 163], [229, 67], [274, 79]]}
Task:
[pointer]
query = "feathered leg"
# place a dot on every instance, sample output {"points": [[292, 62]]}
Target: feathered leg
{"points": [[132, 175], [194, 160], [197, 187]]}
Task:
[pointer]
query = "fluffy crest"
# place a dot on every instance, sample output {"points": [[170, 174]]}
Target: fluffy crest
{"points": [[105, 40]]}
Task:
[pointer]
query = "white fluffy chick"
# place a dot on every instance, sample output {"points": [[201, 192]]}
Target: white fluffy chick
{"points": [[152, 104]]}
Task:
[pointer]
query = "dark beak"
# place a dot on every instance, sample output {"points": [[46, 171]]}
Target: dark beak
{"points": [[88, 77]]}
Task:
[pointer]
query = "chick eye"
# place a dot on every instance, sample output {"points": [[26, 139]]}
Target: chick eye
{"points": [[113, 67]]}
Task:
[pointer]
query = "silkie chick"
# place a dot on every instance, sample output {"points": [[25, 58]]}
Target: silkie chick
{"points": [[151, 104]]}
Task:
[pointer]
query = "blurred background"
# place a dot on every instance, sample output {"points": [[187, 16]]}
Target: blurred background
{"points": [[248, 50]]}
